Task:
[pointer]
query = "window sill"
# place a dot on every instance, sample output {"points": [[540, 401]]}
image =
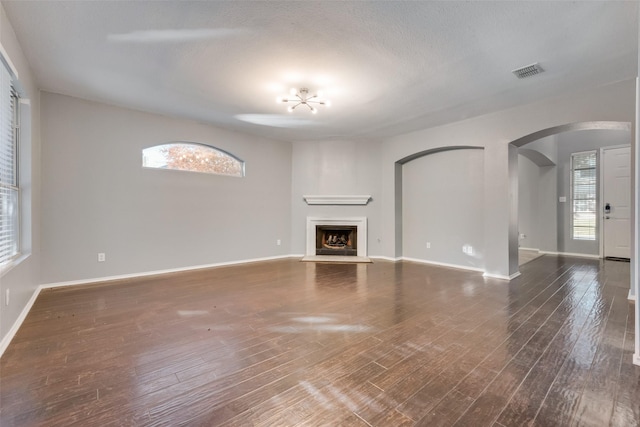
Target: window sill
{"points": [[19, 259]]}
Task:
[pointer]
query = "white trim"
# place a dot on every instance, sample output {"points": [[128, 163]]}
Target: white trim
{"points": [[386, 258], [609, 147], [20, 258], [442, 264], [337, 200], [600, 204], [571, 254], [4, 57], [529, 249], [6, 340], [635, 241], [500, 276], [336, 258], [631, 296], [156, 272], [359, 221]]}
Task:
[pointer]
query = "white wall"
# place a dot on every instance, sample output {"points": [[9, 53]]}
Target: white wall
{"points": [[98, 198], [537, 194], [547, 146], [614, 102], [335, 168], [23, 279], [528, 203], [443, 205]]}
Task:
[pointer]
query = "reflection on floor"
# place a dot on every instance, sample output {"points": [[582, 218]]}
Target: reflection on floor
{"points": [[526, 255], [290, 343]]}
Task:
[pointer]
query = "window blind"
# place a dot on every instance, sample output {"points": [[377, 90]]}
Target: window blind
{"points": [[583, 192], [9, 191]]}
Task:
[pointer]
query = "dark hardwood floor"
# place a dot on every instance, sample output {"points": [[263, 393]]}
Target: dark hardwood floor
{"points": [[287, 343]]}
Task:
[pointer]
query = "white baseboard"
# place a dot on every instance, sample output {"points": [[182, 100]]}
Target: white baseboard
{"points": [[456, 266], [386, 258], [442, 264], [6, 340], [16, 325], [500, 276], [571, 254], [530, 249], [156, 272], [631, 296]]}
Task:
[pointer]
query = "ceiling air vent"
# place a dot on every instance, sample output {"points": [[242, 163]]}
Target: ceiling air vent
{"points": [[528, 71]]}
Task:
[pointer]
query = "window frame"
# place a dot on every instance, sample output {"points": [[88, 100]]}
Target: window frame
{"points": [[594, 196], [12, 188], [198, 144]]}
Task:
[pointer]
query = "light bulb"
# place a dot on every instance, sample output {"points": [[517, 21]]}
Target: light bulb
{"points": [[290, 109], [279, 99], [327, 103], [313, 110], [319, 94], [293, 91]]}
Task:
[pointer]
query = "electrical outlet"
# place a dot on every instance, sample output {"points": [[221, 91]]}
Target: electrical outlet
{"points": [[6, 297], [278, 242], [102, 257], [428, 245]]}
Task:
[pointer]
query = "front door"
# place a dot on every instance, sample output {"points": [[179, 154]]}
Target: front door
{"points": [[616, 202]]}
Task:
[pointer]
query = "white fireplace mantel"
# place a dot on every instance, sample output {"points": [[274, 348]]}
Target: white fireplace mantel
{"points": [[337, 199]]}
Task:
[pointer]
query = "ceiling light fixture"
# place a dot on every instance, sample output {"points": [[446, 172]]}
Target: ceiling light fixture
{"points": [[301, 97]]}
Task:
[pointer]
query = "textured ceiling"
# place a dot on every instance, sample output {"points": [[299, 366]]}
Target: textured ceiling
{"points": [[388, 67]]}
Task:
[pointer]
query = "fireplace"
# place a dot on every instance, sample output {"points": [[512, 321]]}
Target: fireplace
{"points": [[337, 239]]}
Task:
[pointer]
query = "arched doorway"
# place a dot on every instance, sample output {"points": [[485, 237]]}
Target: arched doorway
{"points": [[560, 203]]}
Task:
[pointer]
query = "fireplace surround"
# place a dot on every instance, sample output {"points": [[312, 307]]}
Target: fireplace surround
{"points": [[347, 239]]}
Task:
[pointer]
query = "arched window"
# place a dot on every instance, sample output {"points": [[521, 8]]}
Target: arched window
{"points": [[192, 157]]}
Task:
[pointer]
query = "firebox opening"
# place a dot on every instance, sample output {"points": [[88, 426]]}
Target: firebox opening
{"points": [[337, 240]]}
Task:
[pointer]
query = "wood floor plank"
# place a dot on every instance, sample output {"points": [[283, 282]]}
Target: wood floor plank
{"points": [[290, 343], [597, 400], [563, 397], [626, 411], [523, 405], [549, 317]]}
